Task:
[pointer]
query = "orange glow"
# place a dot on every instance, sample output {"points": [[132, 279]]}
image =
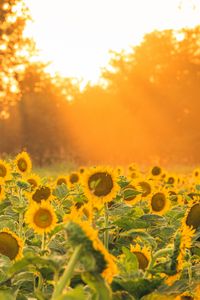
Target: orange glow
{"points": [[76, 35]]}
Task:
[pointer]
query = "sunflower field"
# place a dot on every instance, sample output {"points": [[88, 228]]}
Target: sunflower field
{"points": [[98, 233]]}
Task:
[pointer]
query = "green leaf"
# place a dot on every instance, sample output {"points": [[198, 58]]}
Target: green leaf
{"points": [[98, 285], [75, 294]]}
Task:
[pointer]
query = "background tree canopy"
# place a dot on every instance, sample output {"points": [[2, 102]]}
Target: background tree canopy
{"points": [[147, 110]]}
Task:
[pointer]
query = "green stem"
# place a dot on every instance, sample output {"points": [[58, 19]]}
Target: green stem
{"points": [[161, 252], [106, 232], [43, 242], [65, 279], [21, 221]]}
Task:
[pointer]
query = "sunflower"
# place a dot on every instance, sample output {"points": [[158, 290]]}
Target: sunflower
{"points": [[196, 173], [156, 171], [42, 192], [146, 188], [108, 267], [81, 170], [41, 217], [187, 234], [61, 179], [5, 170], [159, 202], [100, 184], [10, 244], [23, 163], [192, 217], [171, 179], [2, 190], [33, 180], [143, 255], [73, 178]]}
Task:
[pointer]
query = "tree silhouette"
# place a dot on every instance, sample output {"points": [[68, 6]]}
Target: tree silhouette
{"points": [[15, 51]]}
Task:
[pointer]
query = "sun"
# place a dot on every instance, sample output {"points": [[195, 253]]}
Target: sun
{"points": [[76, 35]]}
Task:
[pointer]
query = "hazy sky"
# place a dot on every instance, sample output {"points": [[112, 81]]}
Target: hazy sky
{"points": [[76, 35]]}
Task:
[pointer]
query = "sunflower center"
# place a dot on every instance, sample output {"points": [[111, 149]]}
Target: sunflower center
{"points": [[156, 171], [158, 201], [186, 298], [193, 218], [22, 165], [0, 189], [100, 184], [170, 180], [43, 218], [142, 260], [32, 182], [42, 193], [8, 245], [196, 173], [73, 178], [3, 170], [61, 181], [146, 188]]}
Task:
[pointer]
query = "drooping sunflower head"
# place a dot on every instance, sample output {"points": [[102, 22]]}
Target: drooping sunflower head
{"points": [[159, 202], [100, 184], [33, 180], [143, 255], [81, 232], [192, 217], [41, 217], [61, 180], [40, 193], [5, 170], [23, 163], [146, 188], [10, 244]]}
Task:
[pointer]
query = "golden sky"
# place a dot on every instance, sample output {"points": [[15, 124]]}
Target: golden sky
{"points": [[76, 35]]}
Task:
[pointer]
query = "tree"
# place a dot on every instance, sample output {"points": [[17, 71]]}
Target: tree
{"points": [[15, 51]]}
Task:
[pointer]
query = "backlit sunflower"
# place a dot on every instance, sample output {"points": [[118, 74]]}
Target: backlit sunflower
{"points": [[42, 192], [2, 190], [143, 255], [41, 217], [10, 244], [33, 180], [159, 202], [192, 217], [100, 184], [23, 163], [187, 234], [108, 266], [5, 170], [61, 179]]}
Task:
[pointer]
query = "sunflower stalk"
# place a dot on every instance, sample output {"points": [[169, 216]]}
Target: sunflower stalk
{"points": [[43, 242], [106, 232], [65, 279]]}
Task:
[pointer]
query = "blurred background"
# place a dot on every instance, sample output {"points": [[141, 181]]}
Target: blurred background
{"points": [[93, 82]]}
